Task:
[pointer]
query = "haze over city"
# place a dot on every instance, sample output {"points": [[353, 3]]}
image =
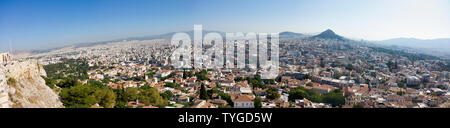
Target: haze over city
{"points": [[47, 24], [193, 54]]}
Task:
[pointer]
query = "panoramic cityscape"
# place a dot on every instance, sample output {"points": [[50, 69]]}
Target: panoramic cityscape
{"points": [[316, 66]]}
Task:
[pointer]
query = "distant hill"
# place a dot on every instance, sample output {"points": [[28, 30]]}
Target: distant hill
{"points": [[329, 34], [291, 35], [166, 36], [169, 35], [418, 43], [436, 45]]}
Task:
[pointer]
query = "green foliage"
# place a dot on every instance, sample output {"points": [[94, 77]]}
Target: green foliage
{"points": [[203, 93], [358, 106], [322, 63], [226, 97], [349, 67], [121, 98], [106, 81], [78, 96], [146, 86], [202, 75], [163, 78], [228, 106], [131, 94], [151, 97], [68, 82], [184, 74], [272, 93], [49, 82], [297, 93], [76, 68], [147, 96], [172, 85], [334, 98], [307, 76], [337, 75], [150, 73], [105, 97], [237, 79], [95, 83], [258, 102], [400, 93], [256, 82], [309, 84], [138, 78], [84, 96], [167, 94], [269, 81], [189, 74], [278, 79]]}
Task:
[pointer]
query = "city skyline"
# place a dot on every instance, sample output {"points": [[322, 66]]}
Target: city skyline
{"points": [[46, 24]]}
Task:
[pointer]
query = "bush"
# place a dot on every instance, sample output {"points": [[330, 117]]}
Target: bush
{"points": [[335, 98], [80, 96], [258, 102]]}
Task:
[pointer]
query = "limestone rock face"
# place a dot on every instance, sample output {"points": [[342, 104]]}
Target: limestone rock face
{"points": [[22, 86]]}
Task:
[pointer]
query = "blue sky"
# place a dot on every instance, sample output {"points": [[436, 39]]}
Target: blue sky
{"points": [[41, 24]]}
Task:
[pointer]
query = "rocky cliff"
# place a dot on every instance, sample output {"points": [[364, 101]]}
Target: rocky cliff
{"points": [[22, 86]]}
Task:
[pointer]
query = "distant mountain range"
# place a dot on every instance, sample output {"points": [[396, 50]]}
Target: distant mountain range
{"points": [[442, 44], [436, 47], [291, 35], [439, 47]]}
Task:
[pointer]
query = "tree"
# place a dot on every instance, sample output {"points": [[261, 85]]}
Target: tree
{"points": [[349, 67], [151, 97], [203, 93], [309, 84], [202, 75], [272, 93], [237, 79], [146, 86], [95, 83], [307, 76], [228, 106], [335, 98], [121, 99], [68, 82], [50, 82], [256, 82], [131, 93], [358, 106], [400, 93], [337, 75], [172, 85], [297, 94], [301, 92], [79, 96], [184, 74], [167, 95], [322, 63], [105, 97], [258, 102], [227, 97]]}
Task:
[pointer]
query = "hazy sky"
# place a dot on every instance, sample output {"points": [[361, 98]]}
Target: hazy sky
{"points": [[41, 24]]}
